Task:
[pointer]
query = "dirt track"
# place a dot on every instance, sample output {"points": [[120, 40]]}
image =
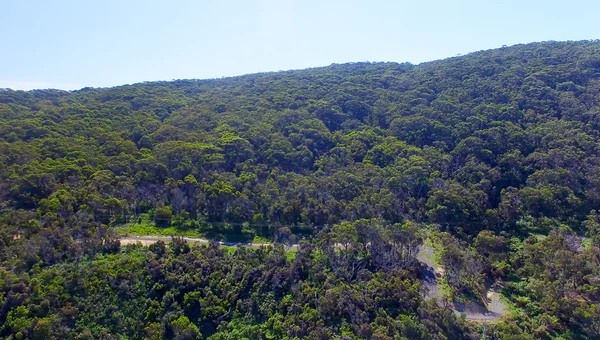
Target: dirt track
{"points": [[148, 240], [473, 311]]}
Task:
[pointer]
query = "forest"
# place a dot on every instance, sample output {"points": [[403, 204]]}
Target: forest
{"points": [[492, 159]]}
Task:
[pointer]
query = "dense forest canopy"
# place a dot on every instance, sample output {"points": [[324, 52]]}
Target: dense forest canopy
{"points": [[498, 151]]}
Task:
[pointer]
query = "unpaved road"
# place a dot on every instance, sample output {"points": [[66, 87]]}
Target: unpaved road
{"points": [[473, 311], [148, 240], [493, 310]]}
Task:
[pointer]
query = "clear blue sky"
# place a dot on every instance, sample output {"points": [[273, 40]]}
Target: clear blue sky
{"points": [[77, 43]]}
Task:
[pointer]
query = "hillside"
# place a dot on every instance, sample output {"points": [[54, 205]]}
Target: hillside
{"points": [[496, 154]]}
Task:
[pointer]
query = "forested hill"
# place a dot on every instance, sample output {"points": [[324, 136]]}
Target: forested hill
{"points": [[497, 153], [487, 140]]}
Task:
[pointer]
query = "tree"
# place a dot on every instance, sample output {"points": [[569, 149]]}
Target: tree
{"points": [[163, 216]]}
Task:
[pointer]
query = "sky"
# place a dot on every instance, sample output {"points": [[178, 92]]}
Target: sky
{"points": [[70, 44]]}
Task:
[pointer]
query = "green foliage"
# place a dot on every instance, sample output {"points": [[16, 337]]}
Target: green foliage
{"points": [[136, 229], [489, 148], [490, 138]]}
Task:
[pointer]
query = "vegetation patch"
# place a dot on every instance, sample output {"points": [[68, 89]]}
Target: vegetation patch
{"points": [[494, 156]]}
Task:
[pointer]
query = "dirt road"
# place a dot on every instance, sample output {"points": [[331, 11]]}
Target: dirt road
{"points": [[473, 311], [148, 240]]}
